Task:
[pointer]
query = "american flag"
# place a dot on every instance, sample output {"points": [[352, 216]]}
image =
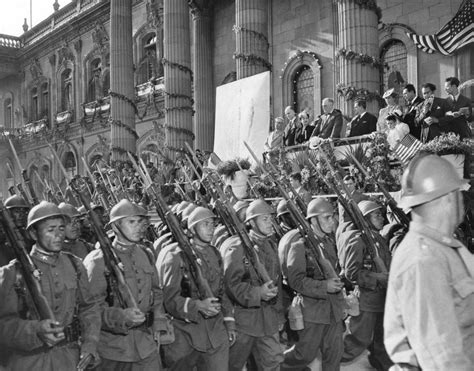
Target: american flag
{"points": [[407, 148], [458, 32]]}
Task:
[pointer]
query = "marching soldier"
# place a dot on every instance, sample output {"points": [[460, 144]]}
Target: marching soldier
{"points": [[323, 302], [429, 313], [49, 344], [72, 242], [257, 305], [358, 266], [204, 328], [128, 338]]}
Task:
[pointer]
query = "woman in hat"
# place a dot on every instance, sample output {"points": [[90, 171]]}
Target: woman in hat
{"points": [[391, 98]]}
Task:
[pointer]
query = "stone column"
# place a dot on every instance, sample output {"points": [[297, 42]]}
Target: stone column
{"points": [[122, 111], [358, 33], [204, 92], [178, 76], [251, 29]]}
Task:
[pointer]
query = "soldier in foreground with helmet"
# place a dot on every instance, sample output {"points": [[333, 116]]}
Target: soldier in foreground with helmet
{"points": [[257, 305], [323, 302], [204, 327], [72, 242], [128, 338], [359, 267], [49, 344], [429, 313]]}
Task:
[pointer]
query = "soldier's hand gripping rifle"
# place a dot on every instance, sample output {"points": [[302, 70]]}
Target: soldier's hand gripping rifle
{"points": [[174, 226], [354, 212], [399, 213], [25, 176], [118, 285], [315, 244]]}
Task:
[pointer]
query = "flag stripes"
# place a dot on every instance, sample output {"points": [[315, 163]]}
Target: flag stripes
{"points": [[407, 148]]}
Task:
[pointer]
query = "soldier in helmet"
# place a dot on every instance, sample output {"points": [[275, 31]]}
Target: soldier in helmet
{"points": [[323, 302], [258, 308], [204, 327], [429, 313], [358, 267], [128, 335], [73, 243], [284, 217], [49, 344]]}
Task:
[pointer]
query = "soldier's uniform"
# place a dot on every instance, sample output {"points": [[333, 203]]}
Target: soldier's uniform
{"points": [[78, 247]]}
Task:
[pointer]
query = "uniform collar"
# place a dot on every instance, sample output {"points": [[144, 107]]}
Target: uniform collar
{"points": [[123, 247], [433, 234], [43, 255]]}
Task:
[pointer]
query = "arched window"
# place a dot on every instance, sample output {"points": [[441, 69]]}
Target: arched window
{"points": [[70, 163], [95, 84], [394, 55], [34, 104], [147, 68], [67, 102], [303, 90], [8, 112], [44, 100]]}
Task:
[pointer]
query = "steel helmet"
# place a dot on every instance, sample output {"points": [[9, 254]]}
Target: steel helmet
{"points": [[427, 178], [282, 208], [181, 206], [366, 207], [239, 205], [124, 209], [16, 201], [69, 210], [187, 211], [257, 208], [43, 210], [319, 206], [198, 215]]}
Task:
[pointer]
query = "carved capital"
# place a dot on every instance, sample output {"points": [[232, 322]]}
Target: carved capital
{"points": [[154, 10]]}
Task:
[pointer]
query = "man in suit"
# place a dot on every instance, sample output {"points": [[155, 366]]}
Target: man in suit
{"points": [[329, 124], [293, 129], [431, 113], [412, 101], [364, 122], [456, 120]]}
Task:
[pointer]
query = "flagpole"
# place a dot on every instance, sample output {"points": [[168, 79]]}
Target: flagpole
{"points": [[31, 14]]}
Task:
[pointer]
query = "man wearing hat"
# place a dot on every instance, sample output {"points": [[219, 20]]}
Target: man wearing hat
{"points": [[204, 326], [391, 98], [359, 267], [128, 337], [73, 243], [429, 313], [72, 331]]}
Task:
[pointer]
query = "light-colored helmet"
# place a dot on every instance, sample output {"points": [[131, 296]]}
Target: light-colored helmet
{"points": [[124, 209], [187, 211], [198, 215], [69, 210], [239, 205], [367, 206], [427, 178], [181, 206], [16, 201], [319, 206], [43, 210], [282, 208], [257, 208]]}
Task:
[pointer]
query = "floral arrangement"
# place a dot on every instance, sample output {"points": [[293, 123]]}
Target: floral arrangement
{"points": [[351, 92], [448, 144], [362, 58]]}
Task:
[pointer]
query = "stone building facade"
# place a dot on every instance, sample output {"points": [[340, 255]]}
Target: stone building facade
{"points": [[56, 79]]}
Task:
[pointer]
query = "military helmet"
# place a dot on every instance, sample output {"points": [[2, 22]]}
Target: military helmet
{"points": [[187, 211], [427, 178], [367, 206], [43, 210], [69, 210], [181, 206], [16, 201], [319, 206], [239, 205], [198, 215], [282, 208], [257, 208], [124, 209]]}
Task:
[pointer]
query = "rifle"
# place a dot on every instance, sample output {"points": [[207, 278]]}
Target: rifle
{"points": [[399, 213], [239, 229], [25, 176], [103, 199], [30, 272], [11, 190], [43, 185], [174, 226], [121, 290], [356, 215], [315, 244], [196, 190]]}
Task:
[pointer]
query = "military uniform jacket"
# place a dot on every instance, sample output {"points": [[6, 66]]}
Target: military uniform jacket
{"points": [[307, 279], [181, 293], [78, 247], [253, 316], [117, 341], [64, 284], [359, 268]]}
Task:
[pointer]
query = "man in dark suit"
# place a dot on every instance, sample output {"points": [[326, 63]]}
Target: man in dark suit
{"points": [[412, 101], [431, 113], [364, 122], [292, 129], [460, 113], [329, 124]]}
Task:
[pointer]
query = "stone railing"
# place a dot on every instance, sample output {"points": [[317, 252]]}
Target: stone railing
{"points": [[8, 41]]}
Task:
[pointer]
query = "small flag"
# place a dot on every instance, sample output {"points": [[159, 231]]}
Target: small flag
{"points": [[407, 148], [458, 32]]}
